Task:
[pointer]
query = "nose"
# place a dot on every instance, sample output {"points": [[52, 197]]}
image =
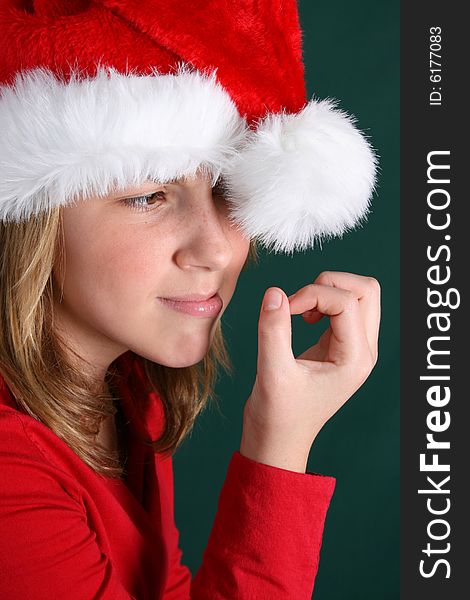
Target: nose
{"points": [[204, 241]]}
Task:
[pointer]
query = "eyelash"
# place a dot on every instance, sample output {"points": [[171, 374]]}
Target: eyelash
{"points": [[218, 190], [132, 202]]}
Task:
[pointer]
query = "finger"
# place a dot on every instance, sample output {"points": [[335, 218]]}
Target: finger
{"points": [[274, 336], [349, 340], [367, 290], [312, 316]]}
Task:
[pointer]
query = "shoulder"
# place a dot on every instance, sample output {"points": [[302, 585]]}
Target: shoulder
{"points": [[14, 436], [30, 457], [49, 546]]}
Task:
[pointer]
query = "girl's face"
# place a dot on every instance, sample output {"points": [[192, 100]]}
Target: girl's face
{"points": [[123, 254]]}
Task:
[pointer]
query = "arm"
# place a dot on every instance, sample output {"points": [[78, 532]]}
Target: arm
{"points": [[266, 538]]}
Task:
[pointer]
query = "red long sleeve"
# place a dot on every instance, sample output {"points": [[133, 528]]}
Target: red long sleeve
{"points": [[67, 532], [265, 541], [266, 538]]}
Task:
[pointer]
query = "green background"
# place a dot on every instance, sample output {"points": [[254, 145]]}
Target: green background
{"points": [[351, 53]]}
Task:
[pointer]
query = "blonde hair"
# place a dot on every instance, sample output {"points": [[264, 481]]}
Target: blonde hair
{"points": [[43, 380]]}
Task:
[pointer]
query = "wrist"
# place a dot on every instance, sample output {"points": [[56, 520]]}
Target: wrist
{"points": [[273, 455]]}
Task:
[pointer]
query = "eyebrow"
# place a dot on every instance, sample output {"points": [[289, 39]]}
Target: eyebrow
{"points": [[174, 180], [131, 191]]}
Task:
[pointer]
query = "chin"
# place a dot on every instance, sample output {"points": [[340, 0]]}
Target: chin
{"points": [[180, 362], [184, 353]]}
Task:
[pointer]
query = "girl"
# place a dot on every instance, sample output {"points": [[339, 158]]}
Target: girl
{"points": [[130, 201]]}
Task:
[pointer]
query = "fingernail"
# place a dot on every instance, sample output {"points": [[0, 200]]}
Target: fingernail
{"points": [[272, 300]]}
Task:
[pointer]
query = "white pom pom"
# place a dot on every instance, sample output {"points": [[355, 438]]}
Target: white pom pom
{"points": [[302, 177]]}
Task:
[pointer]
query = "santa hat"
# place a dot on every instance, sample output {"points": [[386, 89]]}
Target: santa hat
{"points": [[102, 94]]}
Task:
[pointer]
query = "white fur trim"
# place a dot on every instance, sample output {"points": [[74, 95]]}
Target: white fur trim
{"points": [[66, 139], [302, 177]]}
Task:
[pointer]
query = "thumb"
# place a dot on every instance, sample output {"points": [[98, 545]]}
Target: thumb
{"points": [[274, 333]]}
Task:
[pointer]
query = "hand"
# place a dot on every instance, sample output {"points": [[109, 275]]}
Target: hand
{"points": [[293, 398]]}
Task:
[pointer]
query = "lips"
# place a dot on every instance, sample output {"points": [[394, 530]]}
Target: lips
{"points": [[208, 307], [192, 297]]}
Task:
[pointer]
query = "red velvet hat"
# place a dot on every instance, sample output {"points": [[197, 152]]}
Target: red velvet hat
{"points": [[102, 94]]}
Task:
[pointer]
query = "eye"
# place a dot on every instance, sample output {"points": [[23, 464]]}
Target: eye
{"points": [[138, 203]]}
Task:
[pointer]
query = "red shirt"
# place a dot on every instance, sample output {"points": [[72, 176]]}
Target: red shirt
{"points": [[68, 532]]}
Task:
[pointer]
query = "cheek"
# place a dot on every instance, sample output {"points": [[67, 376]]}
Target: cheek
{"points": [[108, 268]]}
